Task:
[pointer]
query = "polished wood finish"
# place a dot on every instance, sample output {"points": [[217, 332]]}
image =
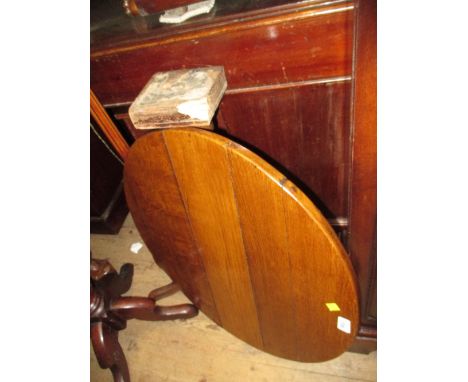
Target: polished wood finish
{"points": [[309, 141], [363, 207], [107, 284], [110, 311], [309, 138], [107, 126], [108, 351], [213, 216], [324, 38], [169, 234], [284, 99], [107, 16], [269, 258]]}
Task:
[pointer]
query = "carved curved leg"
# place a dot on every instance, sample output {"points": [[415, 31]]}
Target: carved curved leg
{"points": [[164, 291], [176, 312], [109, 353], [123, 281], [144, 308], [106, 277]]}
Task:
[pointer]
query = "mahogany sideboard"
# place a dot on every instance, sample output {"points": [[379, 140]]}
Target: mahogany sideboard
{"points": [[301, 93]]}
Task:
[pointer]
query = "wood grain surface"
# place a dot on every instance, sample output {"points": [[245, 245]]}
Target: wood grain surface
{"points": [[304, 129], [108, 127], [246, 246], [300, 46], [363, 198]]}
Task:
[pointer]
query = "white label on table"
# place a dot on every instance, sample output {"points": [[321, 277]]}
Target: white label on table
{"points": [[344, 324]]}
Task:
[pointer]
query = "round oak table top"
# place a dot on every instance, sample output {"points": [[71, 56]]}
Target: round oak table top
{"points": [[246, 246]]}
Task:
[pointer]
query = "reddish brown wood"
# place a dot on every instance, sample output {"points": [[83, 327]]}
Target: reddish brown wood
{"points": [[270, 259], [303, 130], [126, 31], [321, 45], [110, 311], [143, 308], [109, 353], [100, 268], [107, 284], [164, 291], [363, 201], [105, 277], [107, 126], [212, 220], [169, 235], [131, 7], [238, 18]]}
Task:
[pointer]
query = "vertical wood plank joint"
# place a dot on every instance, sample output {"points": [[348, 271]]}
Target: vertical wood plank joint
{"points": [[184, 201], [254, 297]]}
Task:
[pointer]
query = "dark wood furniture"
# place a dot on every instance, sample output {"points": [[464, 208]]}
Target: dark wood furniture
{"points": [[301, 93], [108, 208], [107, 152], [110, 311]]}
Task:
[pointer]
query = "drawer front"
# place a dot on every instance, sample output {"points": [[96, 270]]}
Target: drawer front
{"points": [[300, 46]]}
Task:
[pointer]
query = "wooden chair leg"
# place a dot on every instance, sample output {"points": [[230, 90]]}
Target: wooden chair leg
{"points": [[109, 353]]}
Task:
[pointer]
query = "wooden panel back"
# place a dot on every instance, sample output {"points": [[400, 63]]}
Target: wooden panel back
{"points": [[281, 49], [243, 242], [304, 129]]}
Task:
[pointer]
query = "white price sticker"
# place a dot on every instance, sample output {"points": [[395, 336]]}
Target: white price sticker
{"points": [[343, 324]]}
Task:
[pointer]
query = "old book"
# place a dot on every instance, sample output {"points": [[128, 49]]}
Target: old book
{"points": [[179, 98]]}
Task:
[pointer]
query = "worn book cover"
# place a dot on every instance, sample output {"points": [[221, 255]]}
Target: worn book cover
{"points": [[179, 98]]}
